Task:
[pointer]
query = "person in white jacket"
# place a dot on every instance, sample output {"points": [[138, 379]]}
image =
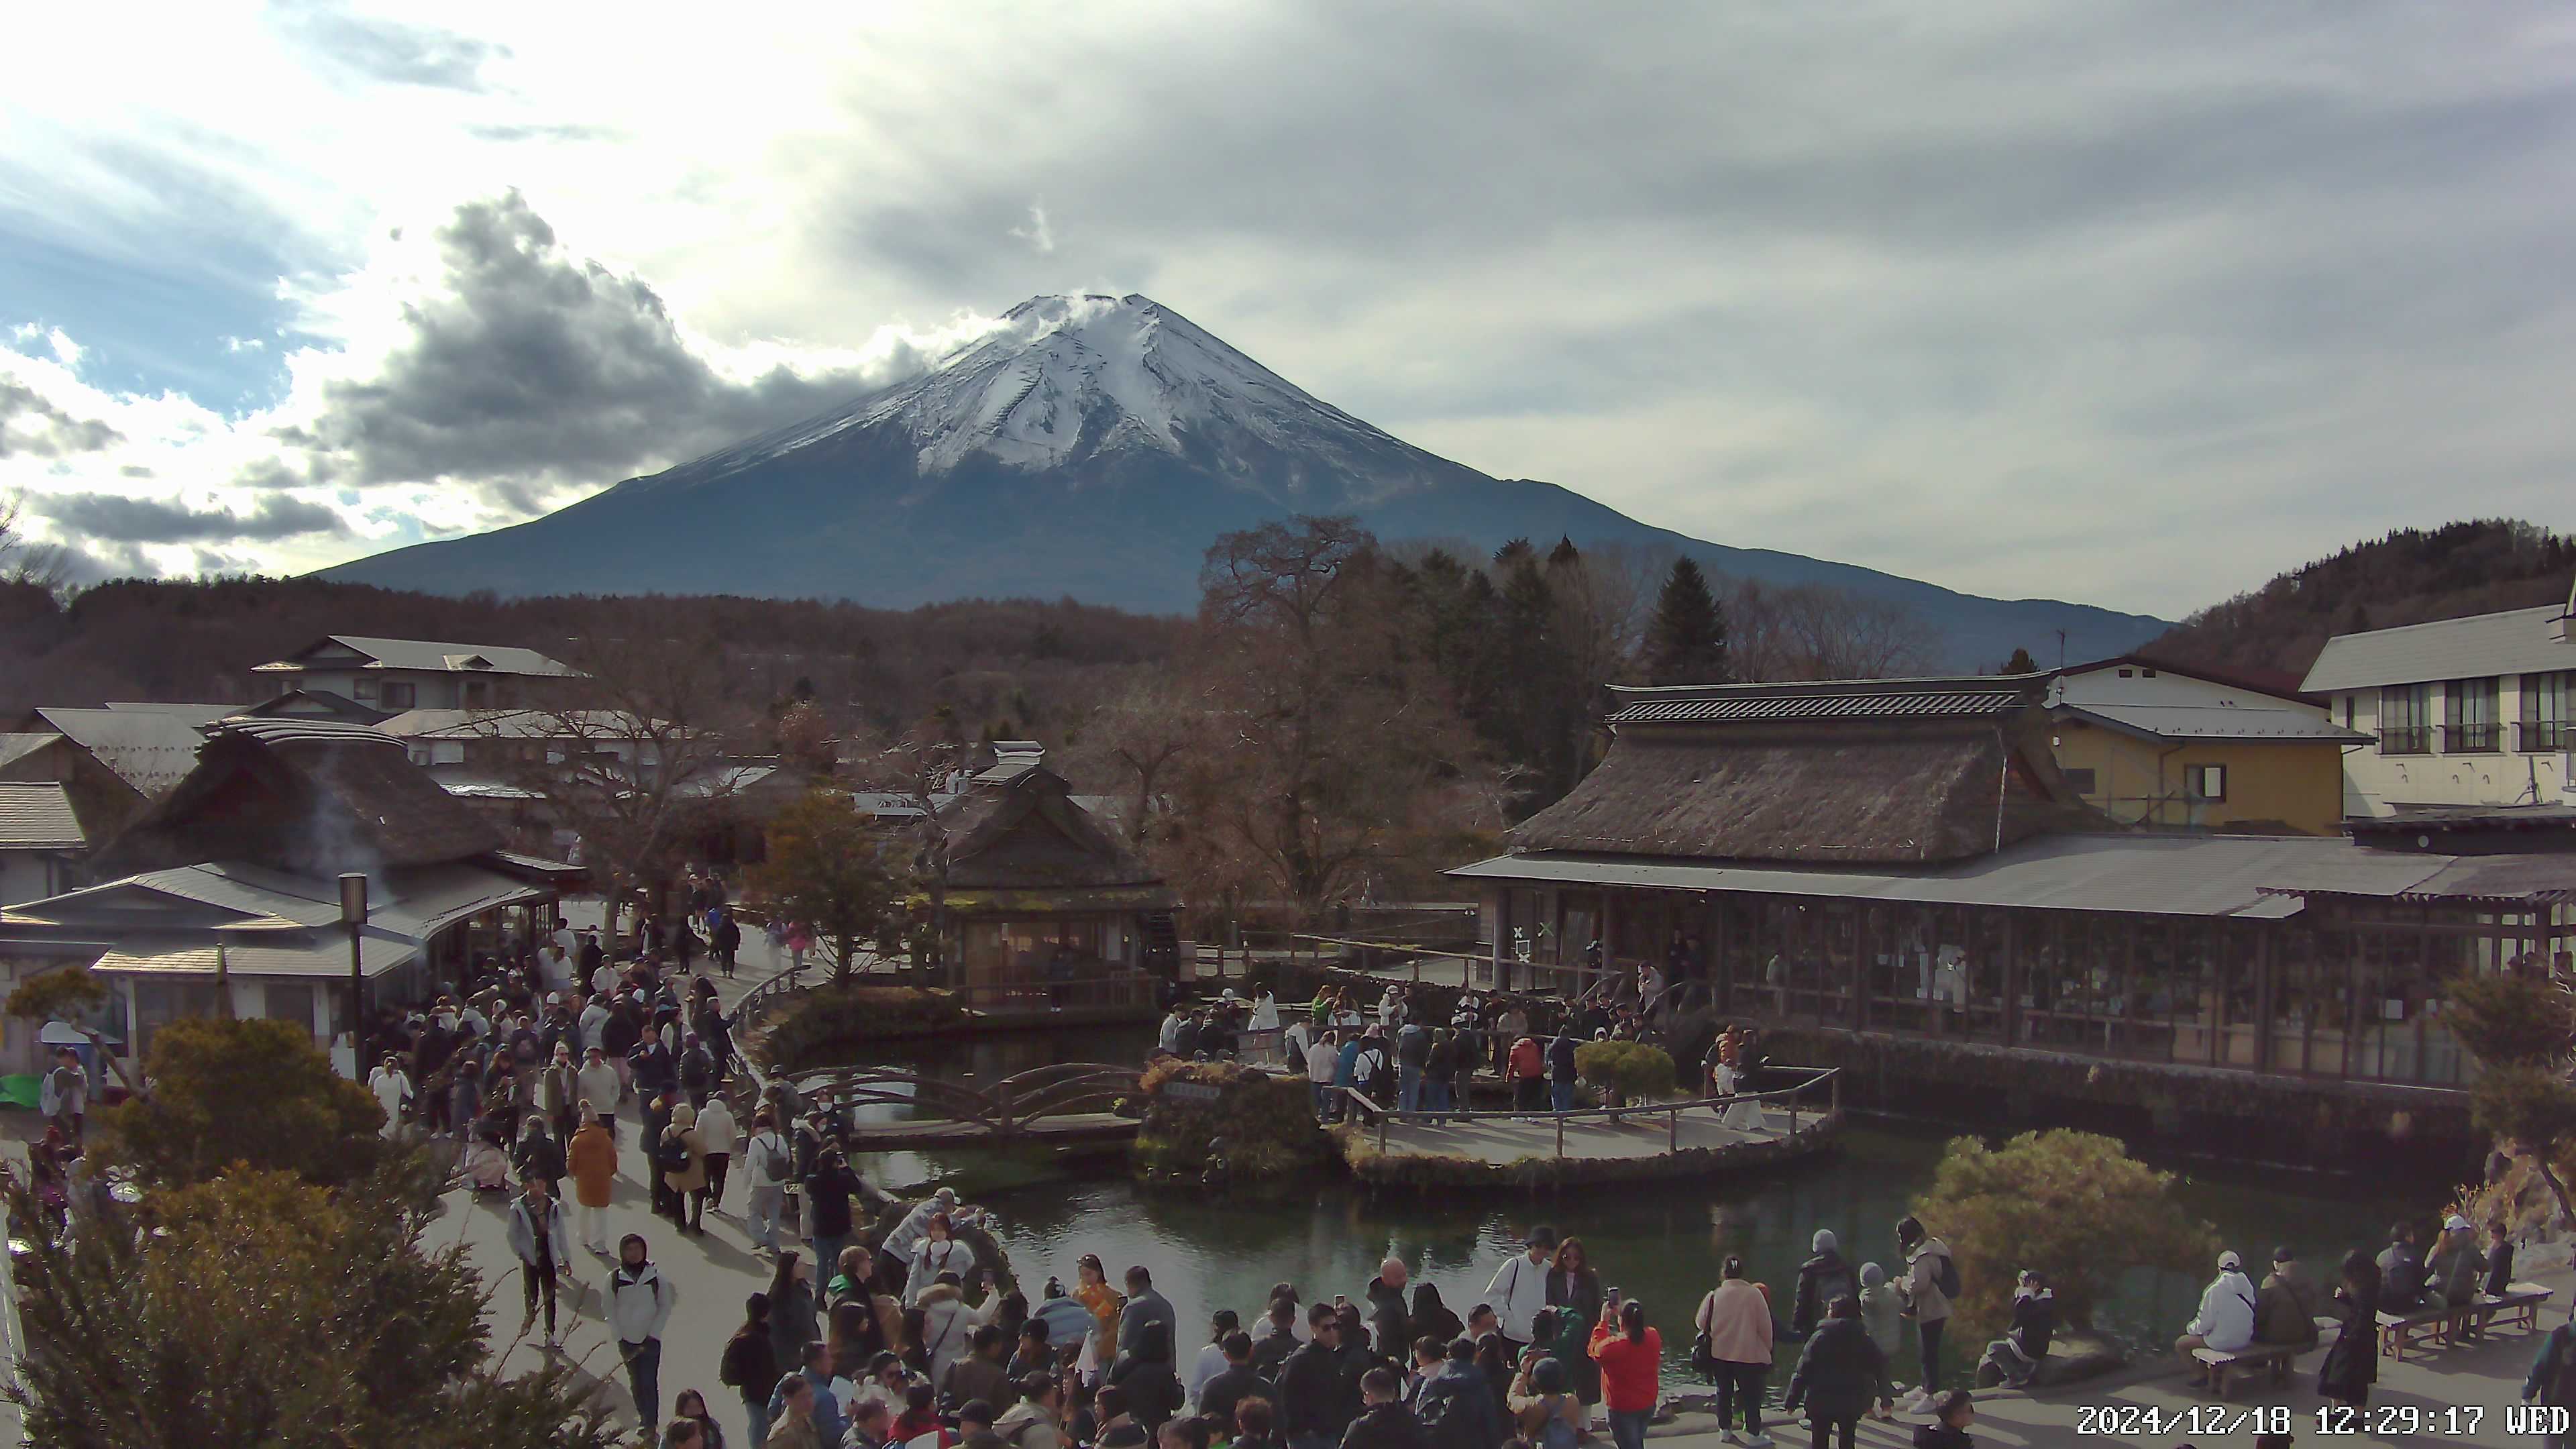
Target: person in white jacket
{"points": [[723, 1139], [2226, 1318], [769, 1160], [1519, 1289], [392, 1088], [639, 1308]]}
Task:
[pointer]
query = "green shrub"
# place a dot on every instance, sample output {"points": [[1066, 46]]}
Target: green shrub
{"points": [[2073, 1205], [1636, 1071], [2507, 1021], [1267, 1123]]}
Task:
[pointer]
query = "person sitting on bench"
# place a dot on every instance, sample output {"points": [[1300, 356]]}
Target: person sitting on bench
{"points": [[2286, 1309], [2402, 1288], [2226, 1318]]}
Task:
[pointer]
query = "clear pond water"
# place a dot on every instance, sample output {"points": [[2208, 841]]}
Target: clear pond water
{"points": [[1661, 1244]]}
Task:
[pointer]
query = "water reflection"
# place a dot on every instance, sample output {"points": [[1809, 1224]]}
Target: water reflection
{"points": [[1663, 1245]]}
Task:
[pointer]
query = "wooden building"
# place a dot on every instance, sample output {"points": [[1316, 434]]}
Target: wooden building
{"points": [[226, 892], [1901, 863], [1036, 888]]}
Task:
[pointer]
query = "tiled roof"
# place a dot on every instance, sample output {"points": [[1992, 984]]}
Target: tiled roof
{"points": [[38, 817], [1840, 699]]}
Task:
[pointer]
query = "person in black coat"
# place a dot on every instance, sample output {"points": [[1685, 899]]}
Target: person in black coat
{"points": [[1821, 1279], [1385, 1423], [1316, 1397], [1840, 1373], [2352, 1362], [1431, 1318]]}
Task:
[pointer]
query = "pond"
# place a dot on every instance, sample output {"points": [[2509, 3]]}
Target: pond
{"points": [[1662, 1244]]}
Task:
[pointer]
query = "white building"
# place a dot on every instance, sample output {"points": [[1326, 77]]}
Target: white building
{"points": [[2464, 711], [394, 675]]}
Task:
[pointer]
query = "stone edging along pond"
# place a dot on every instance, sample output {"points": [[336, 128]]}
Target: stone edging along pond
{"points": [[1457, 1171]]}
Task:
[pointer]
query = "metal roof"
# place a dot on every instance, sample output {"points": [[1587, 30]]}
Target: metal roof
{"points": [[2215, 722], [38, 817], [291, 954], [2255, 877], [195, 714], [2517, 641], [284, 729], [425, 654], [150, 751], [18, 746]]}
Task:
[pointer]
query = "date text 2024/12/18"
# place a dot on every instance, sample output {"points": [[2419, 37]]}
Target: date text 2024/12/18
{"points": [[2220, 1421]]}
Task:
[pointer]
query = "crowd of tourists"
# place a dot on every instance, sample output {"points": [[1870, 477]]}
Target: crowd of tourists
{"points": [[1406, 1055], [911, 1344]]}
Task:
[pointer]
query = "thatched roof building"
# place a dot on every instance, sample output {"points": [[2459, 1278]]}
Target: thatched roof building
{"points": [[1867, 772], [308, 797], [1037, 885]]}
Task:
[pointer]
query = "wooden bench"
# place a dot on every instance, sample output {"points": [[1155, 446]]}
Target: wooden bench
{"points": [[2518, 1306], [2224, 1365]]}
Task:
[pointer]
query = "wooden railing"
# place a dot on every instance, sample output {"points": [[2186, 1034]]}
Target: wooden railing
{"points": [[1362, 1108], [1004, 1109]]}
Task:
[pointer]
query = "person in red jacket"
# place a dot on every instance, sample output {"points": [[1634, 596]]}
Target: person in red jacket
{"points": [[1631, 1358]]}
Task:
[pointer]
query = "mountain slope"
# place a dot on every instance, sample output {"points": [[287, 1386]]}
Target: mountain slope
{"points": [[2406, 576], [1093, 448]]}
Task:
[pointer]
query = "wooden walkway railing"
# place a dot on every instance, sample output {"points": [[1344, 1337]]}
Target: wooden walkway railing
{"points": [[1007, 1108], [1362, 1108]]}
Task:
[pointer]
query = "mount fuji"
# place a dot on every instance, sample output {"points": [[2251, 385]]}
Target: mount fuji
{"points": [[1093, 446]]}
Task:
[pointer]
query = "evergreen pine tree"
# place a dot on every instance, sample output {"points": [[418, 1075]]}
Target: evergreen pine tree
{"points": [[2020, 662], [1686, 640]]}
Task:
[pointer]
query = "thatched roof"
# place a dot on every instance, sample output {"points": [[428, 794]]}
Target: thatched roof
{"points": [[1024, 832], [1881, 772], [307, 797]]}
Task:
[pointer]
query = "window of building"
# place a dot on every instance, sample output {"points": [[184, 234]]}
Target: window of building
{"points": [[2205, 782], [478, 693], [2080, 781], [399, 694], [2469, 715], [2544, 711], [290, 1001], [363, 687], [2406, 719]]}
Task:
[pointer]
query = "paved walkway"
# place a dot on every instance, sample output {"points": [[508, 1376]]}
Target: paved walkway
{"points": [[2445, 1397]]}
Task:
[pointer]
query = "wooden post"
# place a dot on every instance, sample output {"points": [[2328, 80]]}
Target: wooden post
{"points": [[1673, 1130], [1560, 1136], [1381, 1133], [1837, 1080], [1793, 1114]]}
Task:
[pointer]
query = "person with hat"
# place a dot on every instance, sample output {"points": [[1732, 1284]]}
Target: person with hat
{"points": [[1519, 1287], [2285, 1311], [2226, 1318], [2457, 1268]]}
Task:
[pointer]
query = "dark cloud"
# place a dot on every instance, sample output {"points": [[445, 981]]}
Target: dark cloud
{"points": [[533, 365], [33, 427], [393, 50], [101, 518]]}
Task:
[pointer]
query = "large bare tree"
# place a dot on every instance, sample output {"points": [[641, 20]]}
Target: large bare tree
{"points": [[1334, 753]]}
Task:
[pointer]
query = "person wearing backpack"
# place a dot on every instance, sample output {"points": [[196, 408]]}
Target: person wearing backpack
{"points": [[2552, 1380], [750, 1364], [1821, 1279], [1931, 1281], [770, 1166]]}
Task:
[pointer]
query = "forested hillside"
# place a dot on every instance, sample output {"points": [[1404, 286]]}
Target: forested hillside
{"points": [[992, 662], [2411, 576]]}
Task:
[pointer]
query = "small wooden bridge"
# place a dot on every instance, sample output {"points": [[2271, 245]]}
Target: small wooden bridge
{"points": [[1064, 1103]]}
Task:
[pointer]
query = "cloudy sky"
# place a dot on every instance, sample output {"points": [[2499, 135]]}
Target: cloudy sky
{"points": [[2128, 304]]}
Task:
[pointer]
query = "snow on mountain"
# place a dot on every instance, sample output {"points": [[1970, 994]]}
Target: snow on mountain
{"points": [[1068, 378], [1092, 447]]}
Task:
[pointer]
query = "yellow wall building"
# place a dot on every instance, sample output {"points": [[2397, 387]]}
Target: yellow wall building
{"points": [[2148, 744]]}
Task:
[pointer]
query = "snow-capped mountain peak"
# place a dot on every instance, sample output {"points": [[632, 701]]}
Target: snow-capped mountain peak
{"points": [[1065, 377]]}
